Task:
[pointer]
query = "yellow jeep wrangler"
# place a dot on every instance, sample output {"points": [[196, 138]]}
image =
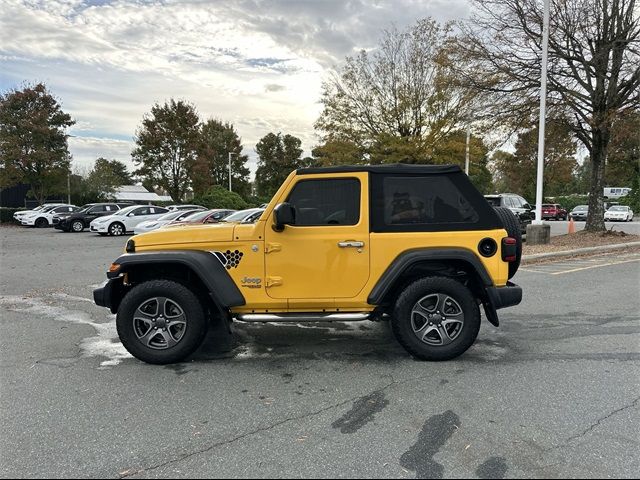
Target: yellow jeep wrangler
{"points": [[416, 244]]}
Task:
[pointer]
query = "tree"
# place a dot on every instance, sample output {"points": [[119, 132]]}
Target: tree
{"points": [[167, 146], [220, 197], [334, 151], [397, 103], [451, 150], [278, 156], [594, 69], [33, 141], [518, 171], [106, 175], [624, 151], [218, 139]]}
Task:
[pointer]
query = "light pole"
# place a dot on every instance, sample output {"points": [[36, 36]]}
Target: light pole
{"points": [[466, 155], [230, 153], [539, 232]]}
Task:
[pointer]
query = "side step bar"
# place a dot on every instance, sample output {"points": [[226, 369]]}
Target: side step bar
{"points": [[303, 317]]}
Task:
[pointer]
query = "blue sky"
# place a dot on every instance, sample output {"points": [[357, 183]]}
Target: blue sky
{"points": [[258, 64]]}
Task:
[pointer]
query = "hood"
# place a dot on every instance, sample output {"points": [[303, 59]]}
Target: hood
{"points": [[185, 234]]}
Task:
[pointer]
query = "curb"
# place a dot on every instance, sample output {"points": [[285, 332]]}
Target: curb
{"points": [[569, 253]]}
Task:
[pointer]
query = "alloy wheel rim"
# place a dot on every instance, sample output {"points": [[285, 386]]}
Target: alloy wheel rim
{"points": [[77, 226], [437, 319], [116, 230], [159, 323]]}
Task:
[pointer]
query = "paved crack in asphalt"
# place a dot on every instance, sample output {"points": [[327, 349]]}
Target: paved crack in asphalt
{"points": [[131, 472], [602, 419]]}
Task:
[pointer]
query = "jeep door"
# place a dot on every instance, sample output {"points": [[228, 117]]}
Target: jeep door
{"points": [[325, 254]]}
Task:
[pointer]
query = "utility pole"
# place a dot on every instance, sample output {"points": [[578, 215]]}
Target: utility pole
{"points": [[230, 153], [69, 187], [466, 155], [538, 233]]}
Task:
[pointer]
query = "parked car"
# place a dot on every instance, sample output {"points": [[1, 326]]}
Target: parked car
{"points": [[185, 207], [44, 217], [250, 215], [580, 212], [518, 206], [553, 211], [21, 213], [208, 216], [126, 219], [619, 213], [165, 219], [77, 221]]}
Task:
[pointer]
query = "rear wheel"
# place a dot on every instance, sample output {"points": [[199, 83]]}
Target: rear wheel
{"points": [[161, 322], [116, 229], [511, 225], [77, 226], [436, 318]]}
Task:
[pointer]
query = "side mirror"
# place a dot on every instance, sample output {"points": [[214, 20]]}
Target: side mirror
{"points": [[130, 214], [283, 214]]}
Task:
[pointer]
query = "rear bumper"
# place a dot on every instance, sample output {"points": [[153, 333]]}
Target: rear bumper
{"points": [[501, 297]]}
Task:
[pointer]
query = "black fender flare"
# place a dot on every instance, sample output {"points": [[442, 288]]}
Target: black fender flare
{"points": [[411, 257], [205, 265]]}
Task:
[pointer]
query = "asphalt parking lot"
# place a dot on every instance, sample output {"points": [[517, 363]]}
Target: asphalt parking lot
{"points": [[553, 392]]}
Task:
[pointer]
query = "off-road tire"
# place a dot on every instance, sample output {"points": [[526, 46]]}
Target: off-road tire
{"points": [[512, 226], [401, 320], [194, 313]]}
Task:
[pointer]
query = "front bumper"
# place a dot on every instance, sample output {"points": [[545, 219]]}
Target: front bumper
{"points": [[99, 228], [109, 294]]}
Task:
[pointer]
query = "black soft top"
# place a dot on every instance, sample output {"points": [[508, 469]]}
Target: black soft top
{"points": [[388, 168]]}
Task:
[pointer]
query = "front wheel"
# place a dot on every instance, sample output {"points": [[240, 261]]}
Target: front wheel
{"points": [[41, 223], [161, 322], [436, 318]]}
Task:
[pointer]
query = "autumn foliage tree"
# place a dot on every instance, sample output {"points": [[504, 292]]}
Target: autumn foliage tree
{"points": [[594, 69], [517, 172], [278, 156], [33, 141], [217, 140], [396, 103], [167, 146]]}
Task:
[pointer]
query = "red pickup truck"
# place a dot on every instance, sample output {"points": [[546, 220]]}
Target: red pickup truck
{"points": [[553, 211]]}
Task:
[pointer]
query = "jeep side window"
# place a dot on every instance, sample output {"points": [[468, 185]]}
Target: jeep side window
{"points": [[333, 201], [424, 200]]}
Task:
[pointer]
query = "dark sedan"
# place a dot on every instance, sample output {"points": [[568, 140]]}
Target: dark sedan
{"points": [[78, 221]]}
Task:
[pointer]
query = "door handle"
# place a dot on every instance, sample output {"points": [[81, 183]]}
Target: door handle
{"points": [[350, 243]]}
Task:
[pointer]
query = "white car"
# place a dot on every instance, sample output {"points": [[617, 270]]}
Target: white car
{"points": [[44, 217], [619, 213], [125, 220], [172, 208], [39, 208], [165, 219]]}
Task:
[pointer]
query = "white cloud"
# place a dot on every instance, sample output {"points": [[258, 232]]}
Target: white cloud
{"points": [[256, 63]]}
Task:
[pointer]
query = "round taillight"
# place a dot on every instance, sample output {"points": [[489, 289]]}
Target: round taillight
{"points": [[487, 247]]}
